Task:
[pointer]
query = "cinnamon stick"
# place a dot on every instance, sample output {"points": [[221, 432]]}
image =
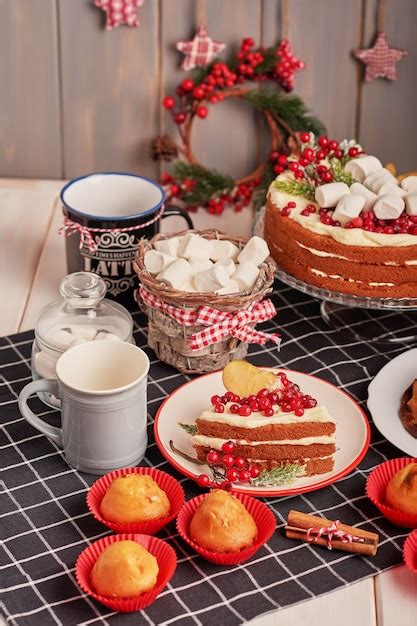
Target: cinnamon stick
{"points": [[325, 532]]}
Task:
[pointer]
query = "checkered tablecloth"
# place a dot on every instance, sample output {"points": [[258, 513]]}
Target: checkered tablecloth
{"points": [[45, 522]]}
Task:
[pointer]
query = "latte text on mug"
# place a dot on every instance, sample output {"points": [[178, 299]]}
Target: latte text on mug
{"points": [[108, 268]]}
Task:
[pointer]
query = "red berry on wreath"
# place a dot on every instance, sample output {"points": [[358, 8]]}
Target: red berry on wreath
{"points": [[166, 178], [282, 159], [199, 93], [168, 102], [213, 457], [228, 460], [187, 84], [174, 190], [240, 462], [203, 480], [228, 447], [232, 474], [244, 476], [274, 155], [179, 118], [278, 169], [202, 112]]}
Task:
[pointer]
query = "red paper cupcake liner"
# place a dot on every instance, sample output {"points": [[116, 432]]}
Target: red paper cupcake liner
{"points": [[410, 551], [376, 486], [162, 551], [262, 515], [166, 482]]}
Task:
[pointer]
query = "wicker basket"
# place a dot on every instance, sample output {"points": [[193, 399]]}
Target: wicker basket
{"points": [[169, 339]]}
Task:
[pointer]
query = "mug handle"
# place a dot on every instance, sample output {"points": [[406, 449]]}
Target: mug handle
{"points": [[175, 210], [29, 390]]}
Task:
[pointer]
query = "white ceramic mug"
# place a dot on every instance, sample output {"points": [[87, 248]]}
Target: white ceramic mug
{"points": [[102, 387]]}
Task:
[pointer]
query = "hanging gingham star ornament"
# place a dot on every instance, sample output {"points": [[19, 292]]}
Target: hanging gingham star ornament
{"points": [[119, 12], [380, 60], [200, 51]]}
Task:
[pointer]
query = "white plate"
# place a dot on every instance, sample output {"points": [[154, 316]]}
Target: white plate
{"points": [[384, 396], [187, 402]]}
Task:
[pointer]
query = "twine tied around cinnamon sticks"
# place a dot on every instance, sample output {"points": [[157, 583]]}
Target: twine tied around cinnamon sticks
{"points": [[331, 534]]}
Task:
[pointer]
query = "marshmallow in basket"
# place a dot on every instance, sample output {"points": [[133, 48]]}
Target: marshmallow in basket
{"points": [[194, 264]]}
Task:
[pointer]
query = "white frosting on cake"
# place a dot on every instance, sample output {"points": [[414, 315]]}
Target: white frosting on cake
{"points": [[350, 280], [258, 419], [346, 236], [216, 442]]}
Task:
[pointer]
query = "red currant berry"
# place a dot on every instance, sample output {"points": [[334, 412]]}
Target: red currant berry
{"points": [[254, 471], [240, 462], [305, 137], [219, 408], [278, 169], [254, 406], [234, 408], [179, 118], [203, 480], [274, 156], [282, 159], [352, 152], [299, 411], [293, 166], [223, 399], [230, 396], [273, 397], [215, 399], [338, 153], [202, 112], [333, 145], [226, 485], [264, 403], [285, 211], [323, 141], [244, 476], [228, 460], [212, 457], [357, 222], [198, 93], [326, 177], [232, 474], [243, 401], [187, 84], [269, 412], [262, 393], [304, 161], [292, 205], [228, 447], [174, 190], [244, 410], [168, 102]]}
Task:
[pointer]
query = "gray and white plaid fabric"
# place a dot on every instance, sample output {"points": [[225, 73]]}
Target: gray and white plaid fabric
{"points": [[45, 523]]}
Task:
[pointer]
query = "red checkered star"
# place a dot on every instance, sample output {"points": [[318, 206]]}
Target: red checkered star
{"points": [[381, 59], [200, 51], [119, 12]]}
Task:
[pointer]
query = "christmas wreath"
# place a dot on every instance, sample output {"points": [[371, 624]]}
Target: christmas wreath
{"points": [[191, 184]]}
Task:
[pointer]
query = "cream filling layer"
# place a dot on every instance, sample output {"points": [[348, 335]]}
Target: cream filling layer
{"points": [[348, 237], [322, 254], [349, 280], [257, 419], [216, 442]]}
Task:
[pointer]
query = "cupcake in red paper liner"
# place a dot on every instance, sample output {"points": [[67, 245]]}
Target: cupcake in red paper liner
{"points": [[125, 572], [392, 487], [135, 500], [225, 528], [410, 551]]}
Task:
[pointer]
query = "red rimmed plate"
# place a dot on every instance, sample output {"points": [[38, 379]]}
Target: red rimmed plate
{"points": [[262, 515], [187, 402], [166, 482], [376, 486], [161, 550]]}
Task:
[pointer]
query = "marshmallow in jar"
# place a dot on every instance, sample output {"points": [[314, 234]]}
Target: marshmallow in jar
{"points": [[82, 314]]}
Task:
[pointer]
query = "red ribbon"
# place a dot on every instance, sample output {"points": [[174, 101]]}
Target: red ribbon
{"points": [[332, 532], [219, 324]]}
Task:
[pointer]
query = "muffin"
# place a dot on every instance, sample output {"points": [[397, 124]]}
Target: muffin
{"points": [[401, 491], [123, 570], [222, 524], [134, 498]]}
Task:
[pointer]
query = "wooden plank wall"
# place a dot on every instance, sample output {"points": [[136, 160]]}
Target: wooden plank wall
{"points": [[80, 99]]}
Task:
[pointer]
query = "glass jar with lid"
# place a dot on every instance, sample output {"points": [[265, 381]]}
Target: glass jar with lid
{"points": [[82, 314]]}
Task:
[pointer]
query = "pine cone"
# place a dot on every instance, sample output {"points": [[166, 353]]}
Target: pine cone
{"points": [[163, 148]]}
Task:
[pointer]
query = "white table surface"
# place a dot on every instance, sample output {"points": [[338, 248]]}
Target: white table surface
{"points": [[32, 262]]}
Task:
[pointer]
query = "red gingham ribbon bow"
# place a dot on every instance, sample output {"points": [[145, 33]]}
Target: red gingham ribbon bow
{"points": [[331, 532], [219, 323]]}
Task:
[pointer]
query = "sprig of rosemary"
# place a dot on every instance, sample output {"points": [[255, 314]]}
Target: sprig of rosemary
{"points": [[191, 429], [339, 173], [283, 475], [295, 188]]}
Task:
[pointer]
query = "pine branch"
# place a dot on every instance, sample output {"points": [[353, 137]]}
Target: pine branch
{"points": [[289, 108], [191, 429], [270, 60], [295, 188], [283, 475], [339, 173], [260, 192], [209, 183]]}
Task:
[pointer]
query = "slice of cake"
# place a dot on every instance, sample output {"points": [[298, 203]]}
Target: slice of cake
{"points": [[277, 426]]}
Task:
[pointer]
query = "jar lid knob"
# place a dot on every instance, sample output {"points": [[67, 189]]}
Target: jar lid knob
{"points": [[83, 289]]}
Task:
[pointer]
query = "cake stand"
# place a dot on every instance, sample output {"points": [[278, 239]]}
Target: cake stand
{"points": [[387, 320]]}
